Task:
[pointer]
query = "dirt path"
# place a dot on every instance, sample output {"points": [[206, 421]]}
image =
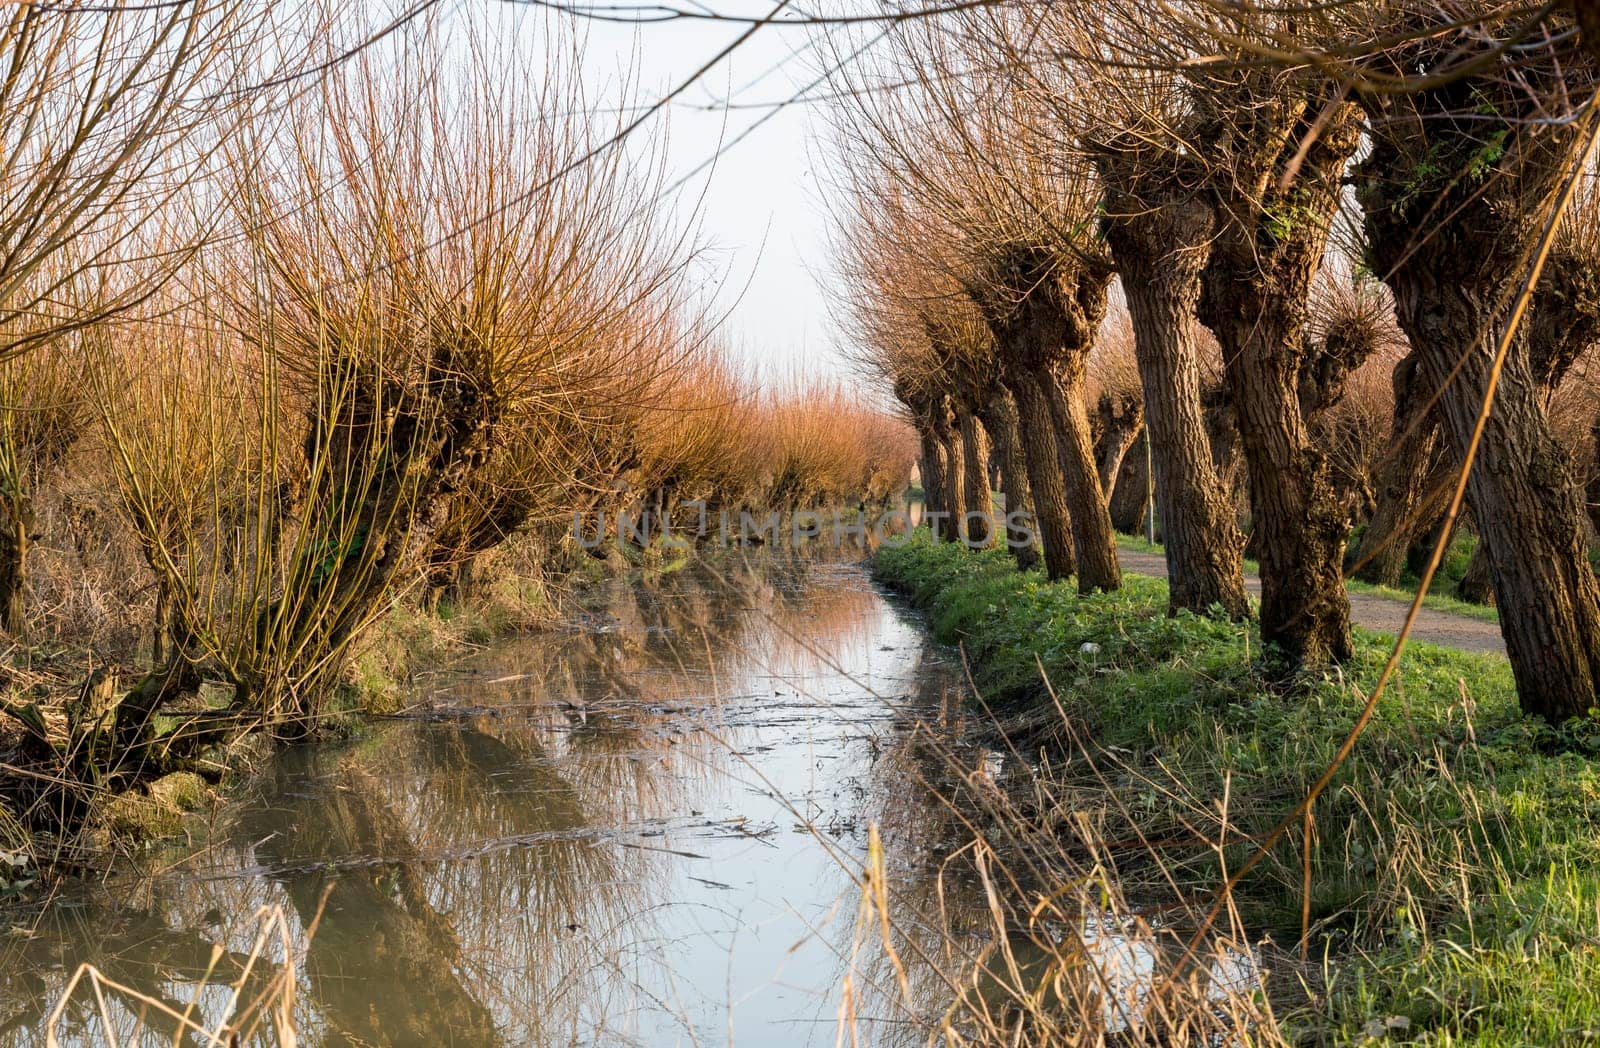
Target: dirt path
{"points": [[1375, 613]]}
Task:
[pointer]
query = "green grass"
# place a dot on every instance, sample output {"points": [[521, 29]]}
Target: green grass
{"points": [[1435, 600], [1456, 864]]}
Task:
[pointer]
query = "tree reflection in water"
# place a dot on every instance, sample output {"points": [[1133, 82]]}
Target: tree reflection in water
{"points": [[574, 838]]}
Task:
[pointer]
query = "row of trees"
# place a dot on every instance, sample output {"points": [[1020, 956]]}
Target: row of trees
{"points": [[408, 319], [1226, 166]]}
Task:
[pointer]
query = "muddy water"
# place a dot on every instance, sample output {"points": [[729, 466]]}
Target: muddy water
{"points": [[633, 831]]}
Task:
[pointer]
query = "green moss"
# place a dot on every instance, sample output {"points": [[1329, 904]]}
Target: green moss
{"points": [[142, 818], [183, 790], [1456, 867]]}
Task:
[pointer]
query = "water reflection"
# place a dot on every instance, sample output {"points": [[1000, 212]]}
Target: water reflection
{"points": [[598, 836]]}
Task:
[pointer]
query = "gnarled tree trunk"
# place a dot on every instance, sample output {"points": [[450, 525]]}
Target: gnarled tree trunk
{"points": [[1045, 311], [955, 487], [1159, 231], [1064, 391], [1036, 433], [1118, 421], [1130, 496], [999, 417], [934, 472], [1404, 481], [1452, 290], [1527, 505], [977, 515], [1477, 585], [16, 520], [1253, 298]]}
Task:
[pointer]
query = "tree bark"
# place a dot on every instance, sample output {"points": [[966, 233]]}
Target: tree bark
{"points": [[999, 418], [1298, 527], [1036, 434], [1093, 541], [1118, 423], [1404, 483], [1527, 505], [1477, 585], [955, 488], [1591, 490], [1253, 298], [1044, 309], [934, 489], [977, 516], [1452, 290], [1159, 233], [1130, 496]]}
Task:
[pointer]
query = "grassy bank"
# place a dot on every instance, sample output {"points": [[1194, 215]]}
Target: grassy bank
{"points": [[1454, 861]]}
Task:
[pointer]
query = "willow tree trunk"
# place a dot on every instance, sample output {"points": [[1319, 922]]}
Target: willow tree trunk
{"points": [[1528, 506], [1093, 540], [1036, 434], [1403, 483], [935, 491], [1130, 496], [955, 487], [1253, 297], [977, 516], [999, 418], [1477, 585], [1044, 309], [1591, 490], [1160, 237], [1120, 419], [1299, 527], [1451, 293]]}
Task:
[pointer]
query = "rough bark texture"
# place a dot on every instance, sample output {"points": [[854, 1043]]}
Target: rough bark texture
{"points": [[1036, 433], [924, 409], [1528, 507], [977, 514], [1418, 475], [955, 487], [1045, 312], [999, 417], [1452, 291], [15, 522], [1403, 481], [1477, 585], [1159, 228], [1096, 545], [1592, 488], [934, 489], [1130, 496], [1118, 421], [1266, 253]]}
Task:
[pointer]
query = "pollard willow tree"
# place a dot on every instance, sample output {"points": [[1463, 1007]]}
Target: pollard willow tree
{"points": [[1562, 324], [883, 256], [1158, 219], [915, 327], [414, 270], [1462, 190], [1263, 150], [1277, 149], [970, 148]]}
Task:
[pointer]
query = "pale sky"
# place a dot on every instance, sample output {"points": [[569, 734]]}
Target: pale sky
{"points": [[761, 207]]}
